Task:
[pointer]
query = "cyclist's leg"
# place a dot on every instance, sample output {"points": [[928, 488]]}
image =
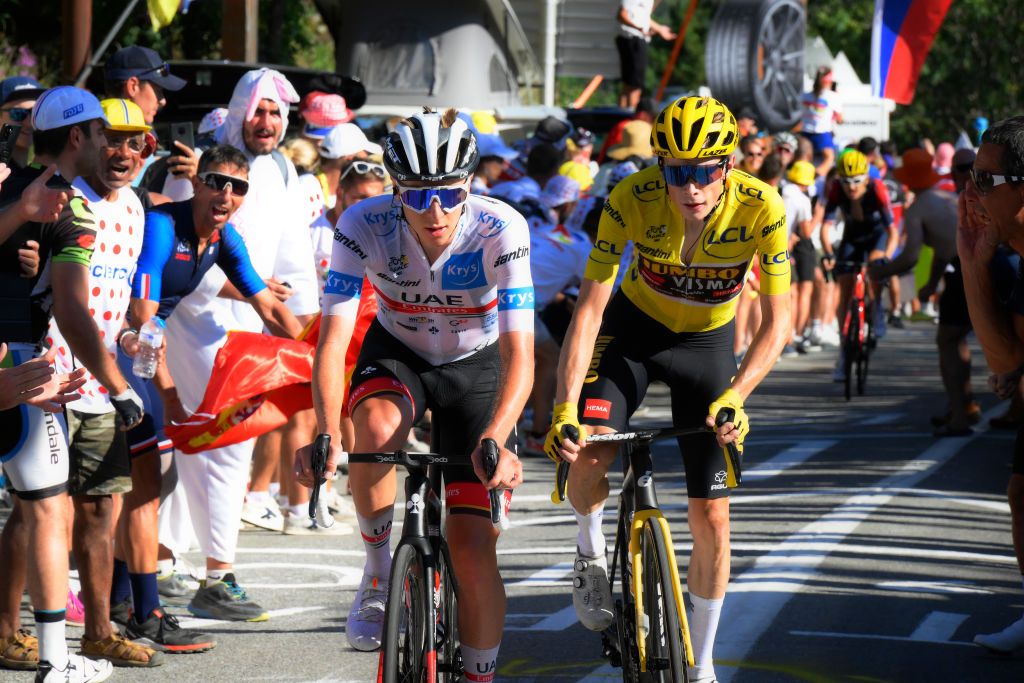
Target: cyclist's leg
{"points": [[700, 371], [35, 458]]}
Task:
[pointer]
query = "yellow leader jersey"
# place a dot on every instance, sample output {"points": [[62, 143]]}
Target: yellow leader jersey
{"points": [[702, 294]]}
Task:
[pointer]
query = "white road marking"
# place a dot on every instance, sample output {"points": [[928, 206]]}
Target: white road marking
{"points": [[347, 577], [864, 636], [559, 621], [883, 419], [788, 459], [955, 587], [744, 621], [938, 627], [194, 622], [552, 575]]}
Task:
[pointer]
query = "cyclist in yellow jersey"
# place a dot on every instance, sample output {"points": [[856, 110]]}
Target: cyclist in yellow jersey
{"points": [[696, 224]]}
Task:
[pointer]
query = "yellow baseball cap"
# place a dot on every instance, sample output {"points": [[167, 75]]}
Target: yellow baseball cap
{"points": [[484, 122], [801, 173], [124, 116]]}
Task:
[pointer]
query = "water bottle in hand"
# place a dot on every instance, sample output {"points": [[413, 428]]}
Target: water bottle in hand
{"points": [[151, 338]]}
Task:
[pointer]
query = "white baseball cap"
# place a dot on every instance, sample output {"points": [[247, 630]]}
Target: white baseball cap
{"points": [[65, 105], [345, 140]]}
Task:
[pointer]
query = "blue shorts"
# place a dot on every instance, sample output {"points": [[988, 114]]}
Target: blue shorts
{"points": [[148, 435], [820, 141]]}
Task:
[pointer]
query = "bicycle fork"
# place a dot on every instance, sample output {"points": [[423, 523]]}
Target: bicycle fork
{"points": [[635, 552]]}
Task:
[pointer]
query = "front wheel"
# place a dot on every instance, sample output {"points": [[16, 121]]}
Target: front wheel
{"points": [[666, 656], [405, 620], [851, 351]]}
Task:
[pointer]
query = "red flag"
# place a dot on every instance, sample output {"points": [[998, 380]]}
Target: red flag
{"points": [[258, 382]]}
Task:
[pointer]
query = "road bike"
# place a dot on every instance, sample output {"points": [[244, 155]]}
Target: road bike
{"points": [[420, 616], [858, 338], [650, 637]]}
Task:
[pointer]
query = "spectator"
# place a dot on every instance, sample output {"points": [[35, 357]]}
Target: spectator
{"points": [[636, 141], [270, 218], [795, 195], [944, 158], [785, 145], [635, 30], [746, 123], [646, 110], [303, 155], [495, 156], [868, 146], [322, 112], [541, 166], [752, 149], [821, 112], [18, 94], [993, 214], [340, 146], [931, 220]]}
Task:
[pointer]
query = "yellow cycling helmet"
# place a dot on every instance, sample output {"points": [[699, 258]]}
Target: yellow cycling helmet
{"points": [[694, 128], [852, 164], [124, 116]]}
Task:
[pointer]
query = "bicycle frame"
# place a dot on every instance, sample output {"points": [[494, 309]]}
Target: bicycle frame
{"points": [[639, 498], [858, 304]]}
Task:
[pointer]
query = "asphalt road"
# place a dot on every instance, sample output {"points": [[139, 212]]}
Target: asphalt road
{"points": [[864, 550]]}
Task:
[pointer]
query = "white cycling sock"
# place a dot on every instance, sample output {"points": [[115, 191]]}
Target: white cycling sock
{"points": [[53, 647], [589, 537], [480, 664], [300, 510], [703, 627], [376, 532], [260, 497]]}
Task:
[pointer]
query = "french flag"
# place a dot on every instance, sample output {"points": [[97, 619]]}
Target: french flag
{"points": [[901, 38]]}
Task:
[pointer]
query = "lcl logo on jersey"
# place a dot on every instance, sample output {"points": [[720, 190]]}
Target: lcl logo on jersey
{"points": [[648, 192], [775, 264], [464, 271], [728, 243]]}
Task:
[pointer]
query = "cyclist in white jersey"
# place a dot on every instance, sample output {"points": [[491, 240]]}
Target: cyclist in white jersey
{"points": [[454, 333]]}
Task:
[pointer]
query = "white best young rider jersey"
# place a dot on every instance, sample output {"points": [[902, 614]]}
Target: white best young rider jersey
{"points": [[478, 288], [120, 224]]}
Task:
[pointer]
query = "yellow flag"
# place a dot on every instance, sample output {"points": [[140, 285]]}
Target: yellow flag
{"points": [[161, 12]]}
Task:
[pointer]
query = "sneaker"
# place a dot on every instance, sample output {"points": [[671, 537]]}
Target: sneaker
{"points": [[79, 669], [365, 624], [266, 514], [896, 322], [173, 585], [806, 345], [19, 651], [830, 338], [75, 610], [226, 600], [339, 505], [789, 351], [120, 651], [302, 525], [591, 592], [1006, 641], [120, 612], [162, 633]]}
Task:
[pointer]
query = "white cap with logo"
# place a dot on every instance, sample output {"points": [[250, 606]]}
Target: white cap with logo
{"points": [[345, 140], [65, 105]]}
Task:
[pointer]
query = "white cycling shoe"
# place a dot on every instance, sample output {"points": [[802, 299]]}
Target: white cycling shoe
{"points": [[591, 592], [365, 626]]}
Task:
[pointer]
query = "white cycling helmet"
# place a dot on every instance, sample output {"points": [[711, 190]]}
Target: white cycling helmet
{"points": [[422, 148]]}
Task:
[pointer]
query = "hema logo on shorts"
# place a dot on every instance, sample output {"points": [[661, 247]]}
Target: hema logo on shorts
{"points": [[597, 407], [464, 271]]}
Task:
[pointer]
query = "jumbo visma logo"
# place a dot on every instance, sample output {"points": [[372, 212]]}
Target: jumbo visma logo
{"points": [[464, 271]]}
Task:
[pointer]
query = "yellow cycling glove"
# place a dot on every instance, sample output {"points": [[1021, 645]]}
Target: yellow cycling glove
{"points": [[730, 400], [563, 415]]}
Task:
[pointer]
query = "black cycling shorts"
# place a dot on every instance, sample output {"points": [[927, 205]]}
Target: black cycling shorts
{"points": [[953, 300], [631, 351], [806, 260], [632, 59], [460, 395], [858, 248]]}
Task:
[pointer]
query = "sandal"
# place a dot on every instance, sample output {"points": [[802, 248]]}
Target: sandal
{"points": [[120, 651], [19, 651]]}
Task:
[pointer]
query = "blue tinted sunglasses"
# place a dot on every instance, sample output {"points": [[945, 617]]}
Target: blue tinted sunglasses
{"points": [[678, 176], [419, 199], [18, 114]]}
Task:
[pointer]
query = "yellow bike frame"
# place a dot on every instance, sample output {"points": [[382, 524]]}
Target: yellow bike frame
{"points": [[635, 529]]}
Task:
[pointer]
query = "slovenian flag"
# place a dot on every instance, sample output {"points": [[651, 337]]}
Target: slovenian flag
{"points": [[902, 36]]}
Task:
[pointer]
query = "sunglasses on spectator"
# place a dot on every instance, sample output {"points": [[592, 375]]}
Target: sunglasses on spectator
{"points": [[18, 114], [162, 71], [986, 181], [364, 168], [679, 176], [752, 153], [419, 199], [853, 181], [221, 181], [136, 143]]}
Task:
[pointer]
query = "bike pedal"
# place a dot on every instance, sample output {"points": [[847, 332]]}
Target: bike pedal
{"points": [[610, 648]]}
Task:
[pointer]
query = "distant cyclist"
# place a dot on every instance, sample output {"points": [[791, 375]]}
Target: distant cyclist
{"points": [[454, 334], [696, 224], [869, 233]]}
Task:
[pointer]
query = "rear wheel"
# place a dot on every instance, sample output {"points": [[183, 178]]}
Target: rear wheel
{"points": [[405, 621], [665, 653]]}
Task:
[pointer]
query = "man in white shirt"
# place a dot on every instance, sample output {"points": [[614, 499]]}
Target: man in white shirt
{"points": [[801, 227], [635, 30], [276, 232]]}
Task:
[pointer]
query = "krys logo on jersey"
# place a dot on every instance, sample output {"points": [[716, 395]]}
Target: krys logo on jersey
{"points": [[342, 285], [491, 224], [706, 284], [464, 271]]}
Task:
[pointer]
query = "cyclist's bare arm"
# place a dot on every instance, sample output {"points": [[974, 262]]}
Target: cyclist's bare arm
{"points": [[516, 350], [328, 384], [776, 329]]}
